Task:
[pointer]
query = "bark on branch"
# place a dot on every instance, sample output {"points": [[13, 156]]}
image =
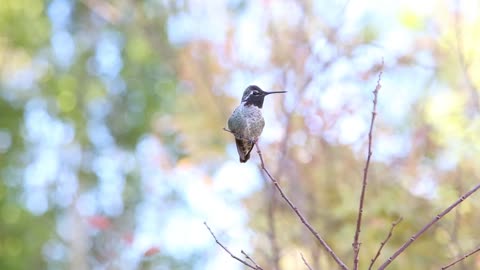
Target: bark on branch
{"points": [[356, 243]]}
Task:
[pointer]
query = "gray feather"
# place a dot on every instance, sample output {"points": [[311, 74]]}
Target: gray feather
{"points": [[246, 123]]}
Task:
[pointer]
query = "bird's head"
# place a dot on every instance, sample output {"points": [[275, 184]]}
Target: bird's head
{"points": [[253, 95]]}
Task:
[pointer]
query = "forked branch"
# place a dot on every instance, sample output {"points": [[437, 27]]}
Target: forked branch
{"points": [[382, 244], [254, 267], [250, 259]]}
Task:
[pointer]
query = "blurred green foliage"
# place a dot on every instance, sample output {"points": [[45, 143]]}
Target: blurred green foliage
{"points": [[109, 75], [145, 89]]}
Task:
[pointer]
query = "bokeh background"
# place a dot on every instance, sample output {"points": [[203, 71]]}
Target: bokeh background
{"points": [[112, 153]]}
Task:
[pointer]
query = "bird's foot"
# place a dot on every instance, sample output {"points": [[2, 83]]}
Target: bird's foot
{"points": [[252, 141], [229, 131]]}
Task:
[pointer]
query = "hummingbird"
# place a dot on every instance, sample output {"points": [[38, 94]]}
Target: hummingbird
{"points": [[246, 122]]}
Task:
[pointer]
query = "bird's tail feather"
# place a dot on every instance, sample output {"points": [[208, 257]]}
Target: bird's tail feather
{"points": [[244, 147]]}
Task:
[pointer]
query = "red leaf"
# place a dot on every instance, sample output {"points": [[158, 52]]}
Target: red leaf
{"points": [[99, 222], [128, 238], [151, 251]]}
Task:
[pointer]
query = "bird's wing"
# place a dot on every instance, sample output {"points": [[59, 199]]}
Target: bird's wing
{"points": [[236, 122]]}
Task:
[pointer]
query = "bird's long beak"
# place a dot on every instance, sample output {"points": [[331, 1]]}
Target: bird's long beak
{"points": [[274, 92]]}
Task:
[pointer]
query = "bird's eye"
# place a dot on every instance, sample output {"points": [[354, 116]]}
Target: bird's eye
{"points": [[255, 93]]}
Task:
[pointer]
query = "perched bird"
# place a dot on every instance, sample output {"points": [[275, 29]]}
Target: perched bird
{"points": [[246, 122]]}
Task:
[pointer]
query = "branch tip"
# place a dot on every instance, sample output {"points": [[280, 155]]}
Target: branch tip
{"points": [[356, 243], [256, 267], [305, 262], [384, 242]]}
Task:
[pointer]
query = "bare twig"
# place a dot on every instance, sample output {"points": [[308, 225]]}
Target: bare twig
{"points": [[426, 227], [461, 259], [299, 215], [305, 262], [250, 259], [382, 244], [316, 256], [272, 199], [256, 267], [356, 244]]}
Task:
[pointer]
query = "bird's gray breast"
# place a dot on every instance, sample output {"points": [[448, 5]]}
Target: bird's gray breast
{"points": [[246, 122]]}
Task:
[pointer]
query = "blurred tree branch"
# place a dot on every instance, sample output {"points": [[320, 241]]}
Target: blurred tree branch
{"points": [[104, 10], [300, 215], [473, 90], [272, 234]]}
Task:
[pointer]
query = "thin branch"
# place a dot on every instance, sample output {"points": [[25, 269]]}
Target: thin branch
{"points": [[382, 244], [300, 216], [250, 259], [461, 259], [272, 199], [305, 262], [316, 256], [256, 267], [356, 244], [426, 227]]}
